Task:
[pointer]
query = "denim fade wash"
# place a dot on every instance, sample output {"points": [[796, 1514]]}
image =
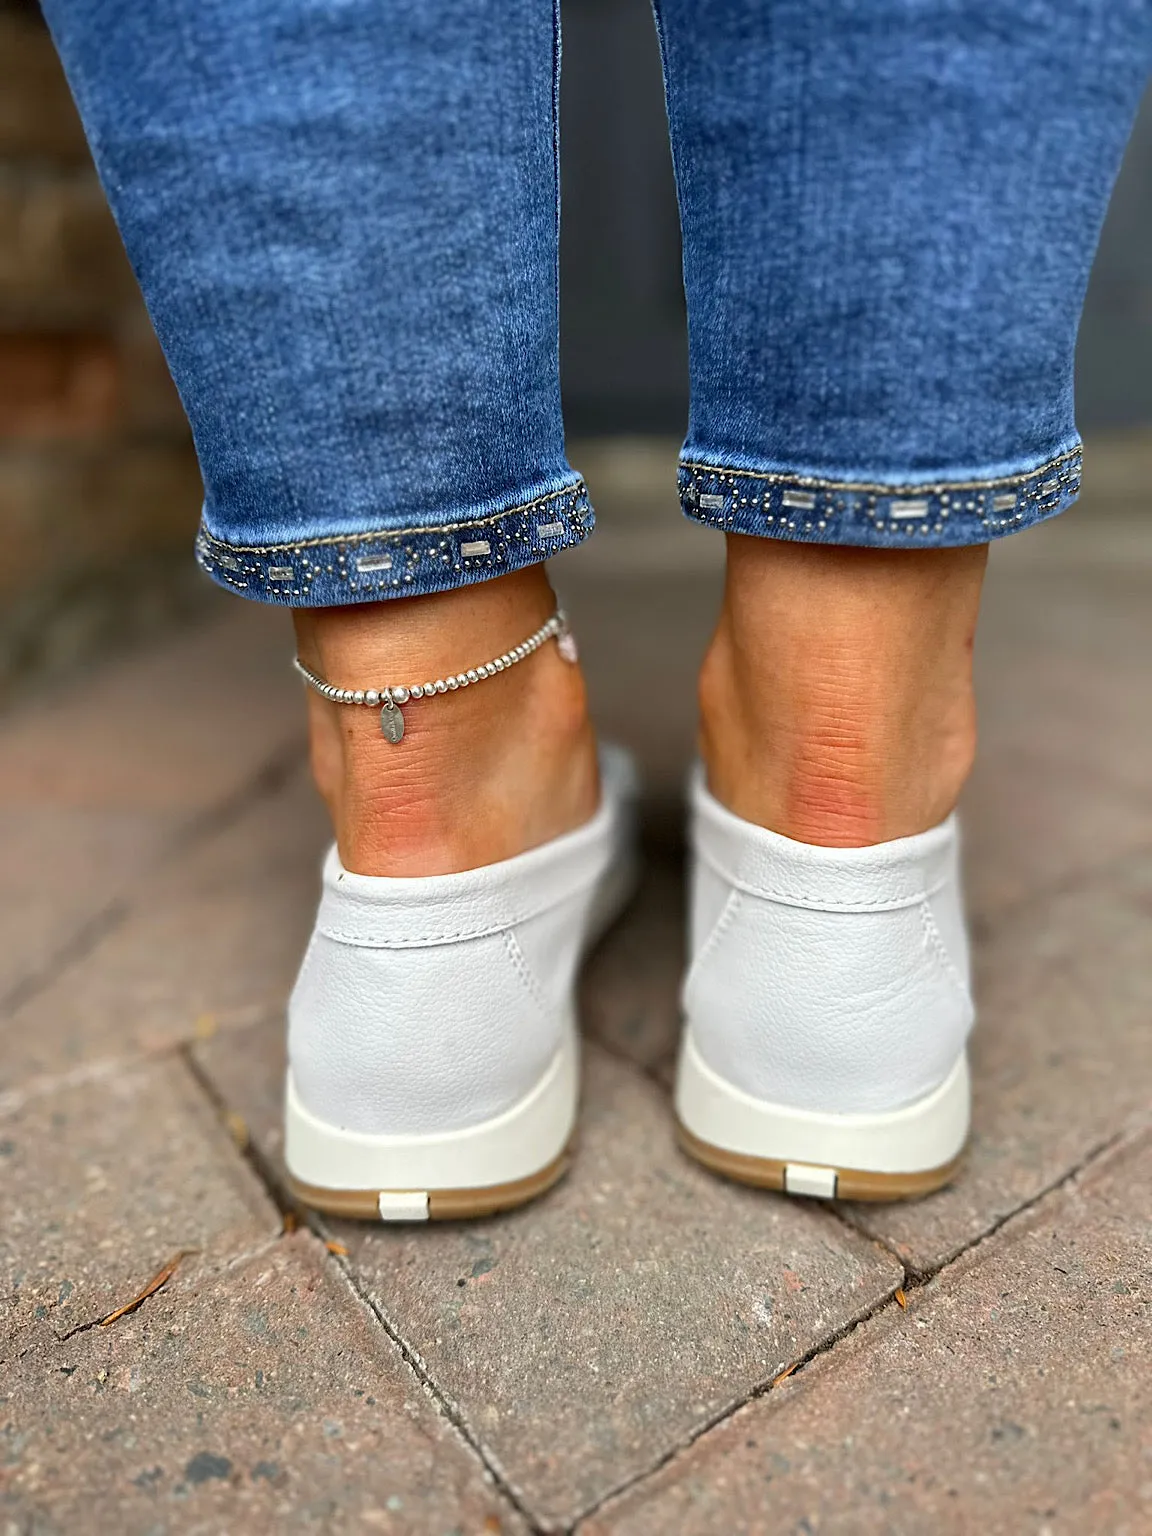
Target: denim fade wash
{"points": [[344, 218]]}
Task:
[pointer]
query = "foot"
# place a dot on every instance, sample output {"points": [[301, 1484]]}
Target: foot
{"points": [[432, 1044], [827, 1001], [433, 1064]]}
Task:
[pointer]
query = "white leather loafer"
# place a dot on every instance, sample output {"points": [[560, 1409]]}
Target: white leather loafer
{"points": [[827, 1006], [432, 1040]]}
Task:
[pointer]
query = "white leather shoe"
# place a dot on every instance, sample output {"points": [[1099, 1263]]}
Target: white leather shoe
{"points": [[827, 1006], [432, 1041]]}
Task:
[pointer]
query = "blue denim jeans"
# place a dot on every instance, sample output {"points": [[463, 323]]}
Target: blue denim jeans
{"points": [[344, 213]]}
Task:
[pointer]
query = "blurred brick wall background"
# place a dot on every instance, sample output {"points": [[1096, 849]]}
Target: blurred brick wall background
{"points": [[99, 491]]}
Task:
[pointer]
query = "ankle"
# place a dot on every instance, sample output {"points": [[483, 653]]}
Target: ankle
{"points": [[841, 769], [836, 697], [482, 774]]}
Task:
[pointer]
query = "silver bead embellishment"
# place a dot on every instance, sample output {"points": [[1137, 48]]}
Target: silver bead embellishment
{"points": [[390, 700]]}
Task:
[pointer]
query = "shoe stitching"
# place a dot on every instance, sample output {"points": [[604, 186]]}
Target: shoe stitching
{"points": [[719, 928], [935, 941], [811, 903], [365, 940], [524, 971], [506, 921]]}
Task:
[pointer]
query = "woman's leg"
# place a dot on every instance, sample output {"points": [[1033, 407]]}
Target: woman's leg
{"points": [[889, 215], [836, 697], [344, 221]]}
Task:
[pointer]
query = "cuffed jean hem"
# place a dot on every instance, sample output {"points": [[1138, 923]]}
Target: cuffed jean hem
{"points": [[335, 569], [776, 504]]}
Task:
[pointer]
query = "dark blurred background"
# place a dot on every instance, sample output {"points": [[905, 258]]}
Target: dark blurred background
{"points": [[98, 486], [623, 309]]}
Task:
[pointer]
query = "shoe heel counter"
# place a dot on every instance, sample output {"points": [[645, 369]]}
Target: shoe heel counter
{"points": [[850, 1011], [389, 1041]]}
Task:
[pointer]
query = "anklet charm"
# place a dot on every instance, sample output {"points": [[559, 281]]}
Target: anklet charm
{"points": [[389, 700], [392, 722]]}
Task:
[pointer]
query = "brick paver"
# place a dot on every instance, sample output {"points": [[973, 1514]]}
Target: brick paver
{"points": [[584, 1337], [1062, 1052], [98, 779], [208, 939], [1013, 1396], [1060, 789], [264, 1399], [630, 997], [174, 729], [101, 1184], [49, 886]]}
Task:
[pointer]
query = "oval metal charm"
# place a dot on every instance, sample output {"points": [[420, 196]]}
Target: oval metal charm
{"points": [[392, 723]]}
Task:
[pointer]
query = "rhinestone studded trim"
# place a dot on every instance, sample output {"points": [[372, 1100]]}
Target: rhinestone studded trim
{"points": [[367, 567], [821, 511]]}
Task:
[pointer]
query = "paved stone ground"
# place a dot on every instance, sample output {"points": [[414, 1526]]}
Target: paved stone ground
{"points": [[648, 1349]]}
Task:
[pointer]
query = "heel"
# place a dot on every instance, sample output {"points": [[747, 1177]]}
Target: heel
{"points": [[898, 1155]]}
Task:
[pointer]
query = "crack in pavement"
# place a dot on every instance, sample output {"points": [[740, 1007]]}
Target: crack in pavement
{"points": [[913, 1280], [759, 1390], [265, 1171]]}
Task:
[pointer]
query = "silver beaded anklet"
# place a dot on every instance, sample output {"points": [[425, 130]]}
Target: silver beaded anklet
{"points": [[389, 700]]}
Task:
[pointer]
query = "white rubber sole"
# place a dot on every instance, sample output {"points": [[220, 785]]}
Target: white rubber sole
{"points": [[897, 1155], [482, 1168]]}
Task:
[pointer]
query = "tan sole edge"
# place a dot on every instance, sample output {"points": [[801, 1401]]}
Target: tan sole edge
{"points": [[851, 1183], [443, 1204]]}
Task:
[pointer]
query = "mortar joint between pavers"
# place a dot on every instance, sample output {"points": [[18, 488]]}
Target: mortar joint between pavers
{"points": [[760, 1390]]}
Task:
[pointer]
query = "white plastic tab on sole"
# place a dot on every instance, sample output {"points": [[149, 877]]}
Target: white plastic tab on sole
{"points": [[804, 1179], [403, 1205]]}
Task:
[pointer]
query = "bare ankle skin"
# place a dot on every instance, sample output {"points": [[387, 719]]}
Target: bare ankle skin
{"points": [[481, 774], [836, 695]]}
